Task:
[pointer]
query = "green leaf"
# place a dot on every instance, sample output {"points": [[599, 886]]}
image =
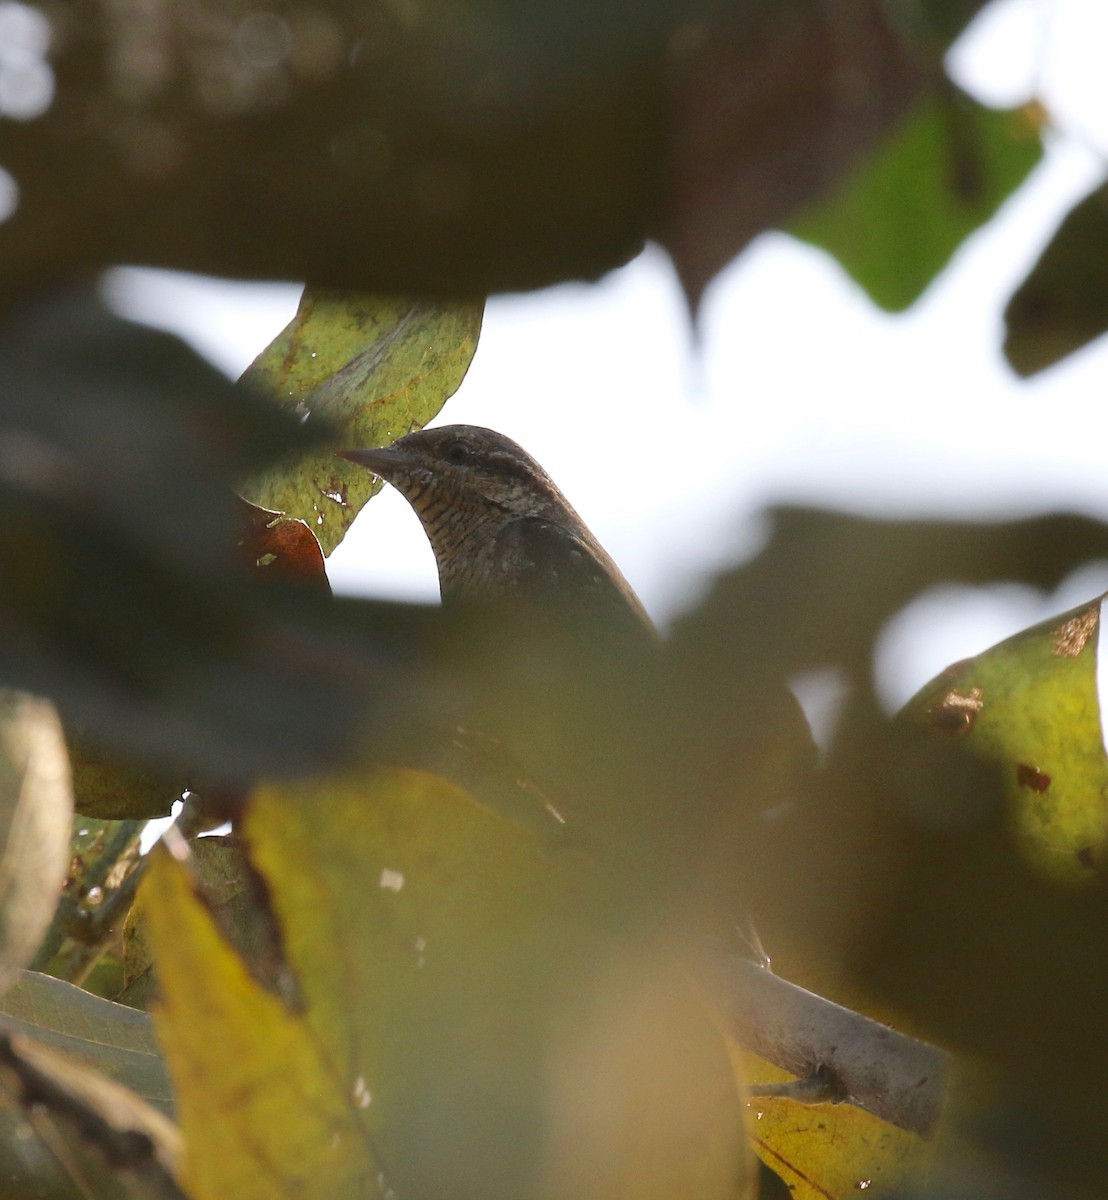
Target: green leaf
{"points": [[1063, 304], [1030, 704], [897, 220], [111, 787], [111, 1038], [372, 368]]}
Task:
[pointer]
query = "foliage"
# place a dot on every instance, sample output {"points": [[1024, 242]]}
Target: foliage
{"points": [[478, 972], [372, 368], [475, 932], [1060, 307], [897, 220]]}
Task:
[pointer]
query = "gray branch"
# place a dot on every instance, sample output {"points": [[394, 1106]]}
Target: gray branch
{"points": [[837, 1054]]}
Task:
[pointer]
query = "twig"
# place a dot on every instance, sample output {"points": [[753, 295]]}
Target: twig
{"points": [[72, 917], [99, 928]]}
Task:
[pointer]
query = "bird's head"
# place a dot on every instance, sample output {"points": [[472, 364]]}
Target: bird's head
{"points": [[459, 464]]}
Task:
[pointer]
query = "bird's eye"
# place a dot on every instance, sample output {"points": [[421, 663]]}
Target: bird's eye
{"points": [[456, 453]]}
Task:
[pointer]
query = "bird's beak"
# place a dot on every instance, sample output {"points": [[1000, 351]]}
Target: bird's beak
{"points": [[385, 461]]}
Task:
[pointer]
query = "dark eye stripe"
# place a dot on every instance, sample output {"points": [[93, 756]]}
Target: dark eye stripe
{"points": [[510, 468]]}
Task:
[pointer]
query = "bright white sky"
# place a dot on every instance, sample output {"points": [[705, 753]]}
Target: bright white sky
{"points": [[800, 391]]}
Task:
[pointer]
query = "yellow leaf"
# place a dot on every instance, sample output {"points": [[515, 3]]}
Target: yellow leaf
{"points": [[262, 1114], [829, 1151], [464, 998]]}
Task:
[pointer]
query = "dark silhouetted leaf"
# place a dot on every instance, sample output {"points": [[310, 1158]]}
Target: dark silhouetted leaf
{"points": [[760, 122], [1063, 304], [816, 597], [483, 147], [977, 947], [119, 449]]}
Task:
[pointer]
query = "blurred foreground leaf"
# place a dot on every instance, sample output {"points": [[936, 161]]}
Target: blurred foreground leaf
{"points": [[1030, 704], [760, 125], [108, 787], [222, 874], [983, 952], [895, 222], [454, 1032], [826, 581], [371, 368], [1063, 304], [481, 147], [485, 147], [817, 595], [36, 808], [122, 598]]}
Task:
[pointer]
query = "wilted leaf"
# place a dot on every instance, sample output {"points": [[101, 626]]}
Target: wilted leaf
{"points": [[275, 546], [457, 1031], [1030, 705], [36, 807], [370, 368], [895, 222], [1063, 303]]}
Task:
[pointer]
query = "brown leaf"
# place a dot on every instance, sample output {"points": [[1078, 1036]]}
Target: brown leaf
{"points": [[273, 545]]}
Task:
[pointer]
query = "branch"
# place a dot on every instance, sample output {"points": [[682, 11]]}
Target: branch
{"points": [[836, 1053]]}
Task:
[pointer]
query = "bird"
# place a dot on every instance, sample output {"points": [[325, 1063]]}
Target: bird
{"points": [[553, 640], [502, 531]]}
